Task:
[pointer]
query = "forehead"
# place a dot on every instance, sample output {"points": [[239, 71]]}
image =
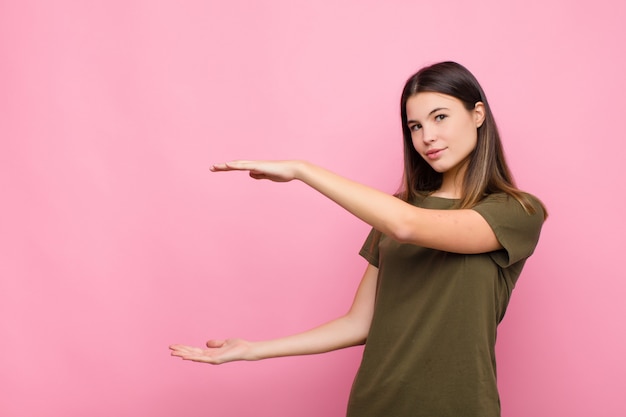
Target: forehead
{"points": [[421, 104]]}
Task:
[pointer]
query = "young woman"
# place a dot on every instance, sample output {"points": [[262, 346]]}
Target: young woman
{"points": [[443, 257]]}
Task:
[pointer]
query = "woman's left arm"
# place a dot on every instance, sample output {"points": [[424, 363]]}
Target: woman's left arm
{"points": [[459, 231]]}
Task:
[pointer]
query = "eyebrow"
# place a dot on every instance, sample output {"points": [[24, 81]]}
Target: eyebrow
{"points": [[435, 110]]}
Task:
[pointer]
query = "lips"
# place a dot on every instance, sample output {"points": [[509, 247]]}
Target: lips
{"points": [[434, 153]]}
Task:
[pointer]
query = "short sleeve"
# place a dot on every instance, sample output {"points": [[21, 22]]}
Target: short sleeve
{"points": [[370, 250], [516, 230]]}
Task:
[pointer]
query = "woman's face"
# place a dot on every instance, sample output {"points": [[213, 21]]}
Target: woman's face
{"points": [[443, 131]]}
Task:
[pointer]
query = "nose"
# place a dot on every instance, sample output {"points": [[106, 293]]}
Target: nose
{"points": [[428, 134]]}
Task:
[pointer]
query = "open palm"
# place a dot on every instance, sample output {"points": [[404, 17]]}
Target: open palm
{"points": [[216, 352]]}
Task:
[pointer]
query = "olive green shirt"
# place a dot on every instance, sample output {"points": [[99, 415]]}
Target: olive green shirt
{"points": [[431, 346]]}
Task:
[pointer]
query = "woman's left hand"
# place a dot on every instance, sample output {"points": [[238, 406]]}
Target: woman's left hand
{"points": [[216, 352], [278, 171]]}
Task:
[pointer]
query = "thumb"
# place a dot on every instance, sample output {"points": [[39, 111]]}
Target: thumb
{"points": [[215, 343]]}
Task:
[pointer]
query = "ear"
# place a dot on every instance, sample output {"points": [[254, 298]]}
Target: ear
{"points": [[479, 113]]}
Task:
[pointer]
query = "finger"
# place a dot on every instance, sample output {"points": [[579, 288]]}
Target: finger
{"points": [[174, 347], [232, 166], [215, 343], [184, 350], [201, 359], [219, 167], [182, 347], [191, 356], [258, 176], [197, 355]]}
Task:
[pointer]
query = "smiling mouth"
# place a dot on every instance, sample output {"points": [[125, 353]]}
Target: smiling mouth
{"points": [[435, 153]]}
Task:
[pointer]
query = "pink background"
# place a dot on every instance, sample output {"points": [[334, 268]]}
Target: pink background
{"points": [[116, 241]]}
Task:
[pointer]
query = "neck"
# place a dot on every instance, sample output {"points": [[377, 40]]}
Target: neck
{"points": [[452, 184]]}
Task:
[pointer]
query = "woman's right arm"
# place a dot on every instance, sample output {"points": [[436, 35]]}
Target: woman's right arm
{"points": [[348, 330]]}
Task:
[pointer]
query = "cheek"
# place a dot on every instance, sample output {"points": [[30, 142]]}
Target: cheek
{"points": [[474, 138], [469, 135], [416, 141], [416, 146]]}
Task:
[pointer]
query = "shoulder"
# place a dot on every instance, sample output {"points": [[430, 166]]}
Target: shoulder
{"points": [[525, 201], [516, 221], [504, 211]]}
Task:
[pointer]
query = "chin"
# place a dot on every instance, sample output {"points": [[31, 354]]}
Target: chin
{"points": [[440, 170]]}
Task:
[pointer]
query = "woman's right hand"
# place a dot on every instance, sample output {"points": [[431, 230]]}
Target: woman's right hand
{"points": [[350, 329], [216, 352]]}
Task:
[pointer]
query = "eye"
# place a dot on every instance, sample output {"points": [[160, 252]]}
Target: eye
{"points": [[440, 117], [415, 127]]}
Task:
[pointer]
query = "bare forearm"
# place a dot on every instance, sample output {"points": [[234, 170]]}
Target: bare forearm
{"points": [[337, 334], [348, 330], [372, 206], [384, 212], [461, 231]]}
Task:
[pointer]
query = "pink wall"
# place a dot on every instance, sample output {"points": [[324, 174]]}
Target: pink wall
{"points": [[115, 240]]}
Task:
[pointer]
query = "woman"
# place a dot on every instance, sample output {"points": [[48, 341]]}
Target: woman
{"points": [[443, 257]]}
